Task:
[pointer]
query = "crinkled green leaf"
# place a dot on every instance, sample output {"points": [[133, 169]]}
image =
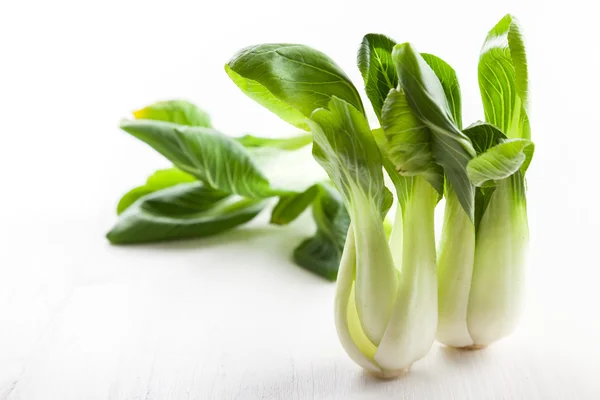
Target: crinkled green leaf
{"points": [[408, 141], [503, 79], [217, 160], [498, 162], [161, 179], [377, 68], [484, 136], [291, 80], [177, 111], [183, 211], [426, 96]]}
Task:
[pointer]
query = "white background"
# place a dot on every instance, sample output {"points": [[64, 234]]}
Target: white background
{"points": [[231, 317]]}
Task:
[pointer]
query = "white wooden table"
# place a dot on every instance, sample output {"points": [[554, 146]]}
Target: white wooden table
{"points": [[231, 317]]}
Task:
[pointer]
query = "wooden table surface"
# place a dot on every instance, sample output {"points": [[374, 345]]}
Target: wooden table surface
{"points": [[232, 318]]}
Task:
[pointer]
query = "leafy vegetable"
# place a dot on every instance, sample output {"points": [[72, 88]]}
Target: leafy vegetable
{"points": [[379, 286], [223, 187], [218, 161], [183, 211], [481, 265]]}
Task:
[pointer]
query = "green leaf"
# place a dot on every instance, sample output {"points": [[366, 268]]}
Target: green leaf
{"points": [[484, 136], [217, 160], [183, 211], [291, 143], [177, 111], [499, 162], [447, 76], [426, 96], [483, 195], [377, 68], [408, 141], [161, 179], [291, 206], [322, 252], [291, 80], [503, 79], [345, 147]]}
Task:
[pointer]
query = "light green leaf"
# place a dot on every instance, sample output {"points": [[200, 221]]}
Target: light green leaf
{"points": [[177, 111], [322, 252], [161, 179], [217, 160], [499, 162], [290, 143], [484, 136], [408, 141], [426, 96], [183, 211], [291, 80], [377, 68], [503, 79], [449, 81], [345, 147]]}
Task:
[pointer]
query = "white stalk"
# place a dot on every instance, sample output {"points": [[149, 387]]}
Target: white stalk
{"points": [[376, 276], [361, 352], [411, 329], [455, 269], [498, 274]]}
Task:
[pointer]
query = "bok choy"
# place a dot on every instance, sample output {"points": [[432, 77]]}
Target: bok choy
{"points": [[482, 258], [388, 291], [386, 301], [218, 183]]}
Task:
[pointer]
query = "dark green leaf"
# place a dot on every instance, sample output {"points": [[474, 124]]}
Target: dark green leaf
{"points": [[161, 179], [503, 79], [377, 68], [449, 81], [183, 211], [426, 96], [291, 206], [177, 111], [483, 195], [291, 80], [291, 143], [217, 160], [484, 136], [322, 252]]}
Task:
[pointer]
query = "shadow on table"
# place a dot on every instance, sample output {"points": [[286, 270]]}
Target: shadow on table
{"points": [[260, 244]]}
